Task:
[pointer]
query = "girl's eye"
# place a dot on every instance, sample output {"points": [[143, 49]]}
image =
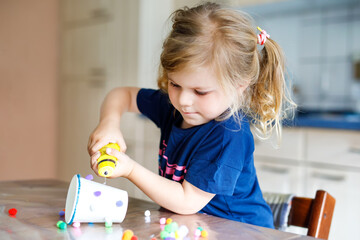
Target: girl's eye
{"points": [[200, 93], [173, 84]]}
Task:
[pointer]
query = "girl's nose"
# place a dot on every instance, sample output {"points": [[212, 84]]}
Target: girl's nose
{"points": [[185, 98]]}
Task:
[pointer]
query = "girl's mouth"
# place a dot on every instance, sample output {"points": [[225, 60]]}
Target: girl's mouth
{"points": [[189, 113]]}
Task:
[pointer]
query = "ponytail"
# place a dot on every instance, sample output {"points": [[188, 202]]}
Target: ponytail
{"points": [[270, 101]]}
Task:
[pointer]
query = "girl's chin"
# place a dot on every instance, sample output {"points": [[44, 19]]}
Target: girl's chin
{"points": [[191, 123], [185, 125]]}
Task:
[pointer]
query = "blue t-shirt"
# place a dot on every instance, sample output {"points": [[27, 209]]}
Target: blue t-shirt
{"points": [[216, 157]]}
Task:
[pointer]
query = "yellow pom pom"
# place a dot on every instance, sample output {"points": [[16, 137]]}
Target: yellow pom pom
{"points": [[127, 235], [204, 233], [168, 221]]}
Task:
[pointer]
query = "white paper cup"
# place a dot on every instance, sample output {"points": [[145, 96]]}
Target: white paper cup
{"points": [[89, 201]]}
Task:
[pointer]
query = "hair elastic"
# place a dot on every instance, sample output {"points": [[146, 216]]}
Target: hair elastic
{"points": [[261, 38]]}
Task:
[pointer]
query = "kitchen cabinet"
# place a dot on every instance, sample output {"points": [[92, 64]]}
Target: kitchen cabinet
{"points": [[87, 52], [105, 44], [289, 148], [344, 185], [79, 116], [93, 61], [87, 11], [280, 178], [341, 148], [316, 159]]}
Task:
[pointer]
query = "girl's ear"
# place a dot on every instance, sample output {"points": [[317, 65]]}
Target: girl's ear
{"points": [[241, 88]]}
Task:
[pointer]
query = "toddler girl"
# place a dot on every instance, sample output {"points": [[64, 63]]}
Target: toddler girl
{"points": [[213, 80]]}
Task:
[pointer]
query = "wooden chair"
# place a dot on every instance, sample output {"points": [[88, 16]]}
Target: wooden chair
{"points": [[315, 214]]}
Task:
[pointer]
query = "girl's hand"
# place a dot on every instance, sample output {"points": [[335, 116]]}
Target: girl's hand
{"points": [[124, 165], [105, 133]]}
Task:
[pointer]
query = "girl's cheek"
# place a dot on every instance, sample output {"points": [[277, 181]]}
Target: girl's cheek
{"points": [[172, 96]]}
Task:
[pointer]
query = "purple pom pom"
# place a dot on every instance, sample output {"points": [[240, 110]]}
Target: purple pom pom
{"points": [[119, 203], [89, 177]]}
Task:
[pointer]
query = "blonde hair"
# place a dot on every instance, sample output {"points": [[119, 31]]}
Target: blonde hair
{"points": [[226, 40]]}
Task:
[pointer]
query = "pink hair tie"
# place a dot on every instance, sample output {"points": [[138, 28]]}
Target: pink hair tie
{"points": [[261, 38]]}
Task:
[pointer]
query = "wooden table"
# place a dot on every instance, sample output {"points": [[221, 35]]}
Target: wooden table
{"points": [[39, 202]]}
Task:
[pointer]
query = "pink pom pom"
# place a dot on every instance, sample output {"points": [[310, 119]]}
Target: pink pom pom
{"points": [[76, 224], [162, 221]]}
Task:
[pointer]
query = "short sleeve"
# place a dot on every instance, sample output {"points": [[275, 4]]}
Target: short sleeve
{"points": [[213, 178], [154, 104], [219, 162]]}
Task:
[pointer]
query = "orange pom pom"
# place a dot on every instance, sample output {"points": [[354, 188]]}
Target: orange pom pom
{"points": [[128, 234]]}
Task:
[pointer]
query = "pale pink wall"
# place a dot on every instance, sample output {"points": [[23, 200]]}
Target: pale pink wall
{"points": [[29, 32]]}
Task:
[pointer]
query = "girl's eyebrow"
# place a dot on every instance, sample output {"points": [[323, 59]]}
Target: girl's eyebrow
{"points": [[172, 81], [195, 88], [169, 78]]}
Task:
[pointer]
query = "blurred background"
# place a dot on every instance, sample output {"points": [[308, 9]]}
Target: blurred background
{"points": [[59, 58]]}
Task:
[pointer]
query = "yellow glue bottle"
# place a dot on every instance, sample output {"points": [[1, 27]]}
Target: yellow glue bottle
{"points": [[106, 163]]}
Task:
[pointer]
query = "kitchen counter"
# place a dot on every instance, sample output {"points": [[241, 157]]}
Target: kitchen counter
{"points": [[348, 121]]}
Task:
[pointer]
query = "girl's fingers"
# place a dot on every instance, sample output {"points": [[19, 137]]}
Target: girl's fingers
{"points": [[95, 157], [93, 161], [91, 147], [115, 153], [89, 142], [122, 146], [94, 168], [97, 146]]}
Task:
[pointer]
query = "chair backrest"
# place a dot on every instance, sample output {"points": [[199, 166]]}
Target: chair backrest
{"points": [[315, 214]]}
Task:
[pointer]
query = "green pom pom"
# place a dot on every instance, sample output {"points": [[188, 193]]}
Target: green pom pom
{"points": [[58, 223], [171, 227], [108, 224], [164, 234], [63, 225]]}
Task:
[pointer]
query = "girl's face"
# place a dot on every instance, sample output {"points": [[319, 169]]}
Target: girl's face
{"points": [[197, 95]]}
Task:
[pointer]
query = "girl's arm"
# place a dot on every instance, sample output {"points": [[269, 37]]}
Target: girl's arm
{"points": [[180, 198], [118, 101]]}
